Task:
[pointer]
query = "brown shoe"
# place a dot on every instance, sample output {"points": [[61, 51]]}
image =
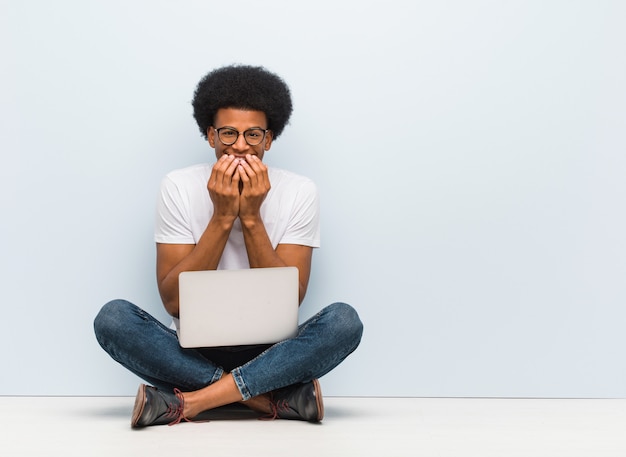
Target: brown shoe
{"points": [[153, 407], [299, 402]]}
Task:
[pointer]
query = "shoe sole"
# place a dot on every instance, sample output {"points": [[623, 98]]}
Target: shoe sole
{"points": [[318, 400], [140, 402]]}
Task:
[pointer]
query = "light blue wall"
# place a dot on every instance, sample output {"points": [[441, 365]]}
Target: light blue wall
{"points": [[470, 157]]}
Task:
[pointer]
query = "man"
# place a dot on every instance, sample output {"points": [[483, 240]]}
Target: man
{"points": [[236, 213]]}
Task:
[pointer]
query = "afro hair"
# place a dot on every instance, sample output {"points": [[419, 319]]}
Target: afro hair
{"points": [[242, 87]]}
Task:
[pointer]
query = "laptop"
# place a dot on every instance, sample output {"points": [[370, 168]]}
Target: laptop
{"points": [[237, 307]]}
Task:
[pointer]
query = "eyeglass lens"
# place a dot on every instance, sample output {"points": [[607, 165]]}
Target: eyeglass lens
{"points": [[229, 136]]}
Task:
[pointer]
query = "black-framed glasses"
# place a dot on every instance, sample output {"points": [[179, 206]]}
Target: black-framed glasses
{"points": [[229, 135]]}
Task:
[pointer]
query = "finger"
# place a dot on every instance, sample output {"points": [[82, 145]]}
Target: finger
{"points": [[255, 163], [237, 173], [260, 171], [220, 166], [246, 170], [231, 168], [217, 175], [225, 168]]}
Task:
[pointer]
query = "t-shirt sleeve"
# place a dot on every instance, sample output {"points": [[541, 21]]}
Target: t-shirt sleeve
{"points": [[172, 224], [304, 223]]}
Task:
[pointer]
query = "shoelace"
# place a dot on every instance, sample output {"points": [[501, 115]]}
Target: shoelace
{"points": [[176, 411], [276, 407]]}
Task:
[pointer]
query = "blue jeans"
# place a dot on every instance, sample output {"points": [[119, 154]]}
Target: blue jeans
{"points": [[149, 349]]}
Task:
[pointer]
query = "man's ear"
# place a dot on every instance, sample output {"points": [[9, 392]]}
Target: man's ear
{"points": [[269, 136], [210, 134]]}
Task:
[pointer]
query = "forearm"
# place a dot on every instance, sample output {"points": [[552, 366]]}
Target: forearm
{"points": [[261, 253], [205, 255]]}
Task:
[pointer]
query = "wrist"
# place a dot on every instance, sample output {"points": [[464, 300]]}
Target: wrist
{"points": [[224, 222], [250, 222]]}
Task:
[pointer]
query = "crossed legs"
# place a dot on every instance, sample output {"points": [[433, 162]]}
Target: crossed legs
{"points": [[149, 349]]}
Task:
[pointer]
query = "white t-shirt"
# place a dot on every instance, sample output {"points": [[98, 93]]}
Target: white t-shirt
{"points": [[290, 212]]}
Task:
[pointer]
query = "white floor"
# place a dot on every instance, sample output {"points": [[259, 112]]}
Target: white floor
{"points": [[99, 426]]}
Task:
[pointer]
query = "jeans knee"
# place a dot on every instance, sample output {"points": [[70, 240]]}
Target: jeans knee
{"points": [[110, 318], [348, 320]]}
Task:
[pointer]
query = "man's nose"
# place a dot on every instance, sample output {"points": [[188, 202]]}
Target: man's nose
{"points": [[240, 144]]}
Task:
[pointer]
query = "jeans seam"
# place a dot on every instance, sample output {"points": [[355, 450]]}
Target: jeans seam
{"points": [[241, 384]]}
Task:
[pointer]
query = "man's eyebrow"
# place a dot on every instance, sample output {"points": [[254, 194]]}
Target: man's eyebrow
{"points": [[231, 127]]}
